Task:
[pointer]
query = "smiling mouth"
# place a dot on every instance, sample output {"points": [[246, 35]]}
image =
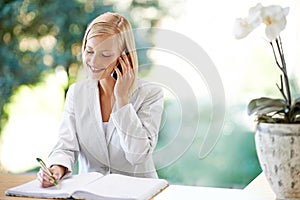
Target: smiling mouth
{"points": [[95, 70]]}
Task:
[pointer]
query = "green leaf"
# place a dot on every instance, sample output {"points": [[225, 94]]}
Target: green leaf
{"points": [[295, 109], [265, 119], [264, 106]]}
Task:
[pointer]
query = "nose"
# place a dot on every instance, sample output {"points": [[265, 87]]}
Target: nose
{"points": [[94, 58]]}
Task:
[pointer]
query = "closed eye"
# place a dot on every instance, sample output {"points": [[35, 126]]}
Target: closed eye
{"points": [[106, 54]]}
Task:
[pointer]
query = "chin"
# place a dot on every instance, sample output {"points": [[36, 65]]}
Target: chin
{"points": [[94, 76], [97, 76]]}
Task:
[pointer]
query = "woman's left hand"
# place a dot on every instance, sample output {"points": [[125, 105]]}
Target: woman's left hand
{"points": [[124, 81]]}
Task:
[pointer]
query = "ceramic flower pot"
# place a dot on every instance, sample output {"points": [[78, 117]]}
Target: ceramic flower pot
{"points": [[278, 150]]}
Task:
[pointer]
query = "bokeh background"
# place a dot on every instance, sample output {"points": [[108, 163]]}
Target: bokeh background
{"points": [[40, 44]]}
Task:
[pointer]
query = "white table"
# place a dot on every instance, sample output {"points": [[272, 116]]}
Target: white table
{"points": [[258, 189]]}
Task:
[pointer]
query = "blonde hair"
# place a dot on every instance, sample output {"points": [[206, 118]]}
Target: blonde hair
{"points": [[114, 24]]}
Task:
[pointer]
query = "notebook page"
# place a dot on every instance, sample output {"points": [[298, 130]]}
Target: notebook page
{"points": [[79, 181], [65, 188], [34, 189], [116, 186]]}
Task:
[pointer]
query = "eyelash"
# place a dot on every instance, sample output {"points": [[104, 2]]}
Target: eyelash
{"points": [[106, 55], [90, 52]]}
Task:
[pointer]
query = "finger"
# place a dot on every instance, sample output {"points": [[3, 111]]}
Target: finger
{"points": [[126, 59], [46, 178], [128, 75], [47, 184], [45, 174], [131, 72], [49, 177], [119, 74], [112, 65], [123, 65], [43, 179], [55, 173], [47, 181]]}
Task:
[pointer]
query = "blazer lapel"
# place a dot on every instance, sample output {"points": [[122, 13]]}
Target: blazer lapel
{"points": [[110, 130], [94, 107]]}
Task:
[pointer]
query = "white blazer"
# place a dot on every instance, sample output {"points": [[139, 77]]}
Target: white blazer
{"points": [[127, 145]]}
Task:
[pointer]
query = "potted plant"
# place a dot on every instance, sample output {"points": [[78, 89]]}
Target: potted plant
{"points": [[277, 135]]}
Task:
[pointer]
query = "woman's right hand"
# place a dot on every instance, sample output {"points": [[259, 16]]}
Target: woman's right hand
{"points": [[57, 172], [124, 81]]}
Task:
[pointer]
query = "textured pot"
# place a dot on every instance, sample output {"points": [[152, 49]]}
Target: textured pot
{"points": [[278, 150]]}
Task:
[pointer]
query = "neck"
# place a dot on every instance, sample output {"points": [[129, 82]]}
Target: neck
{"points": [[106, 86]]}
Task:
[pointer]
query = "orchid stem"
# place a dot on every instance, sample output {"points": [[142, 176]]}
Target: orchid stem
{"points": [[284, 71], [275, 56], [281, 89]]}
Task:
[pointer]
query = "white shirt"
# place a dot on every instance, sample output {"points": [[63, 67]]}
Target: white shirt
{"points": [[105, 125]]}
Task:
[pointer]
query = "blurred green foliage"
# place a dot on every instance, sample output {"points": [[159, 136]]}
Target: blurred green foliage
{"points": [[39, 36]]}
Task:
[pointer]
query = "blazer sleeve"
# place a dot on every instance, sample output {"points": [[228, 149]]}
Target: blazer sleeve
{"points": [[138, 125], [66, 150]]}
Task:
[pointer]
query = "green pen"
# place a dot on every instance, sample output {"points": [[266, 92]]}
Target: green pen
{"points": [[46, 170]]}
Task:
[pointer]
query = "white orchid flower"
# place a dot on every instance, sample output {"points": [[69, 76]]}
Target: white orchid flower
{"points": [[273, 16], [275, 19], [255, 10], [243, 27]]}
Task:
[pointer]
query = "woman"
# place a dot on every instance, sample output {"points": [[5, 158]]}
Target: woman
{"points": [[110, 125]]}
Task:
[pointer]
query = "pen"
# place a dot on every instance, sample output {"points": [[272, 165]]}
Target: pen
{"points": [[46, 170]]}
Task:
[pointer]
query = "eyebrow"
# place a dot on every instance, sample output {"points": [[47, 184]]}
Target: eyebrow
{"points": [[89, 47]]}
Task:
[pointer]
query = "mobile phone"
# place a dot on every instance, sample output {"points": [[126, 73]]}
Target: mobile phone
{"points": [[114, 74]]}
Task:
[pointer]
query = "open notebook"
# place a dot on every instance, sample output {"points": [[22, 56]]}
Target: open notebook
{"points": [[94, 186]]}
